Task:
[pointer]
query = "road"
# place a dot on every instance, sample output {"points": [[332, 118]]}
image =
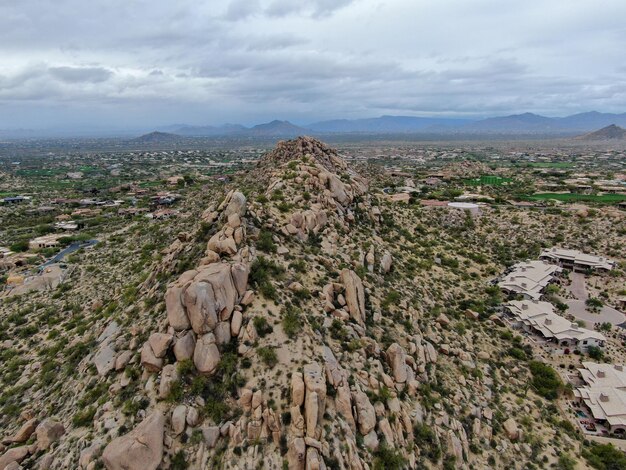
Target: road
{"points": [[67, 251], [578, 287]]}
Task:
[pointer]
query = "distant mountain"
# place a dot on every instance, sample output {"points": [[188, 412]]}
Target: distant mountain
{"points": [[611, 132], [520, 124], [591, 120], [537, 124], [276, 129], [157, 137], [225, 129], [516, 123], [387, 124]]}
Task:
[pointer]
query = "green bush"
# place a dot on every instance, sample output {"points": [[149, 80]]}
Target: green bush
{"points": [[266, 242], [268, 356], [605, 457], [427, 440], [545, 381], [261, 326], [386, 458], [291, 322], [84, 417]]}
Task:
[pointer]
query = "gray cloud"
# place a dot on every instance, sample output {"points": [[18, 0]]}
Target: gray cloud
{"points": [[80, 74], [155, 62]]}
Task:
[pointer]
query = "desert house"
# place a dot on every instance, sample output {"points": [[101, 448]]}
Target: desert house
{"points": [[45, 241], [539, 318], [528, 279], [604, 394], [576, 260]]}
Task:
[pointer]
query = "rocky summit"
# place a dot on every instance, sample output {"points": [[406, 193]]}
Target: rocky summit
{"points": [[300, 318]]}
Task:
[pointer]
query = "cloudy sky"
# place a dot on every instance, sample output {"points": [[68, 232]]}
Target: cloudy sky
{"points": [[136, 63]]}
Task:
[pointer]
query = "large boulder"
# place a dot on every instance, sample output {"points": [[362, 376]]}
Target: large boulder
{"points": [[24, 432], [16, 454], [366, 415], [169, 376], [206, 356], [160, 343], [235, 205], [104, 359], [511, 429], [354, 294], [397, 361], [140, 449], [213, 294], [149, 359], [296, 456], [184, 346], [48, 432], [297, 389], [176, 314]]}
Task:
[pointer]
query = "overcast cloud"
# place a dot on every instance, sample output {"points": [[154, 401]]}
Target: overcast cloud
{"points": [[145, 63]]}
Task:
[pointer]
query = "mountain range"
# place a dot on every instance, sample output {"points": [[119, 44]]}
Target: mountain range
{"points": [[527, 123]]}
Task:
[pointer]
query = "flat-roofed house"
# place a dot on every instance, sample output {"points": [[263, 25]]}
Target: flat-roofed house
{"points": [[539, 318], [604, 394], [576, 260], [528, 279], [45, 241]]}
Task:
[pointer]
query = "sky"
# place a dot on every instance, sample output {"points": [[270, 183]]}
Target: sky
{"points": [[137, 64]]}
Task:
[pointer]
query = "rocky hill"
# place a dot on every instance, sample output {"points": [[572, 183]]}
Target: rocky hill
{"points": [[611, 132], [158, 138], [297, 320]]}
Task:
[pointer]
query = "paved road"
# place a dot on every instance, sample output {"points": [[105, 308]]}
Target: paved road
{"points": [[578, 287], [607, 314], [66, 251]]}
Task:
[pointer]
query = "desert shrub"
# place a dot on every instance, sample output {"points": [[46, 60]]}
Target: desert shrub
{"points": [[291, 322], [261, 326], [428, 441], [268, 356], [265, 242], [545, 381], [84, 417], [604, 457], [595, 353], [178, 461], [386, 458]]}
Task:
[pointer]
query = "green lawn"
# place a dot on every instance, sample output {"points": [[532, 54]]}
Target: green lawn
{"points": [[150, 184], [487, 180], [572, 197]]}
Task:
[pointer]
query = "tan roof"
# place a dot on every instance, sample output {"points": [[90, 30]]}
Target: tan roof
{"points": [[529, 278], [541, 317], [604, 392], [578, 257]]}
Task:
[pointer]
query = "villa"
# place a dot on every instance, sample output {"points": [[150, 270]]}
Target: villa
{"points": [[528, 279], [539, 318], [576, 260], [604, 394]]}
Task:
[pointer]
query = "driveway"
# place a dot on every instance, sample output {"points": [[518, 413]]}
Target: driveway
{"points": [[578, 287], [607, 314]]}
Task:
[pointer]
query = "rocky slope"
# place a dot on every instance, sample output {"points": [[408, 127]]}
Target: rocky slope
{"points": [[308, 324]]}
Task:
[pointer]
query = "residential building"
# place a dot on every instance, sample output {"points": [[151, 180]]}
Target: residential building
{"points": [[45, 241], [576, 260], [539, 318], [604, 394], [528, 279]]}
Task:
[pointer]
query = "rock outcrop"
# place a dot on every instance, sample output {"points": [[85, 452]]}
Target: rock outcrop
{"points": [[140, 449]]}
